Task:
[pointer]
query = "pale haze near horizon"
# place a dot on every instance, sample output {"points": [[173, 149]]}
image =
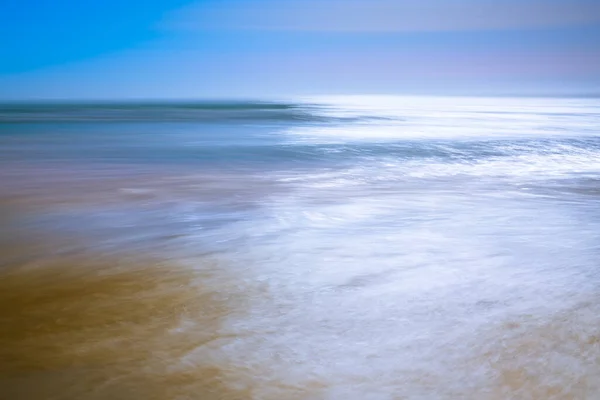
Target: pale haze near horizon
{"points": [[275, 49]]}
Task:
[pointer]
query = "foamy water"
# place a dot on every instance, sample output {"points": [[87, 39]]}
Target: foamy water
{"points": [[356, 247]]}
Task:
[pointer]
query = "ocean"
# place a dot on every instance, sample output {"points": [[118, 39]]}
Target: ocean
{"points": [[357, 247]]}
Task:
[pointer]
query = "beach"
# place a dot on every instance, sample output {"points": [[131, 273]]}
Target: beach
{"points": [[319, 248]]}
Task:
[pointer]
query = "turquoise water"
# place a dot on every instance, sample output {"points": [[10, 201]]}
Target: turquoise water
{"points": [[404, 247]]}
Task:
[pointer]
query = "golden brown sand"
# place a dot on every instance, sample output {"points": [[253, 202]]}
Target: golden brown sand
{"points": [[79, 328], [81, 324]]}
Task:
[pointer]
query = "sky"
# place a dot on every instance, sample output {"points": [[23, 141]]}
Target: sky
{"points": [[181, 49]]}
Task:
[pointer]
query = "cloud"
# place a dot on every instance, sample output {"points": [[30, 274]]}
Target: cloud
{"points": [[385, 15]]}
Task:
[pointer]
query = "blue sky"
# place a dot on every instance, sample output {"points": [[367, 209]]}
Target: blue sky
{"points": [[280, 48]]}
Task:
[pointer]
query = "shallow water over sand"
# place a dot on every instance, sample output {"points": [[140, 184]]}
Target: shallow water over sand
{"points": [[312, 258]]}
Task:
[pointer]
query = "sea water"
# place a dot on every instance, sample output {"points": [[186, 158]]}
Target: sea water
{"points": [[318, 248]]}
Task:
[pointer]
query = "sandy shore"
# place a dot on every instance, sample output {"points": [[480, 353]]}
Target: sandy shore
{"points": [[83, 321]]}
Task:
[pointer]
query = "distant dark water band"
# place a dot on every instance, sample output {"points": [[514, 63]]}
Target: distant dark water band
{"points": [[202, 111]]}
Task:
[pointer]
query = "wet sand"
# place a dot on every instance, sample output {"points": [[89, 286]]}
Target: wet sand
{"points": [[97, 327], [88, 328], [83, 321], [77, 322]]}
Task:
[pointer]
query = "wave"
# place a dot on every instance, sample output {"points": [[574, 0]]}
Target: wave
{"points": [[192, 111], [390, 117]]}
